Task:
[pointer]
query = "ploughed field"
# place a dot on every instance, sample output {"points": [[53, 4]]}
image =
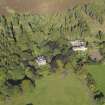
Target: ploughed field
{"points": [[38, 6]]}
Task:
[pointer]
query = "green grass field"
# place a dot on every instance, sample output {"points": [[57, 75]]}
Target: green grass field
{"points": [[98, 72], [56, 90]]}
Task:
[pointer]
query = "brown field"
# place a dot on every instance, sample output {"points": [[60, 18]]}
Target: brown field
{"points": [[38, 6]]}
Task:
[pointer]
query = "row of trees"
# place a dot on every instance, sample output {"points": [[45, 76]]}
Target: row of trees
{"points": [[93, 11]]}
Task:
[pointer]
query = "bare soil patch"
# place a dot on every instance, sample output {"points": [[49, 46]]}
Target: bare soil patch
{"points": [[38, 6]]}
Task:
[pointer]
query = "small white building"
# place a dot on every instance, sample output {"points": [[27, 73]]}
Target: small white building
{"points": [[41, 60], [82, 48], [78, 45]]}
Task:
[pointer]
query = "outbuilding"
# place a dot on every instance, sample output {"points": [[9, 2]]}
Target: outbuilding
{"points": [[41, 60]]}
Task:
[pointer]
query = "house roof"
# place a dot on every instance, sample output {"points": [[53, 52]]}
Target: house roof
{"points": [[40, 58], [77, 43]]}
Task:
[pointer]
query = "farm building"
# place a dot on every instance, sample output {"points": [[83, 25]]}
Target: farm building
{"points": [[78, 45]]}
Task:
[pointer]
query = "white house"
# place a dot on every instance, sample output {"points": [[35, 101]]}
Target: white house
{"points": [[41, 60], [78, 45]]}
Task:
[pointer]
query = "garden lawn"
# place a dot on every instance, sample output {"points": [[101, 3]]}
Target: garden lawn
{"points": [[98, 72], [56, 90]]}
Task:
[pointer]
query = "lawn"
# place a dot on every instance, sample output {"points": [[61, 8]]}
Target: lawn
{"points": [[98, 72], [56, 90]]}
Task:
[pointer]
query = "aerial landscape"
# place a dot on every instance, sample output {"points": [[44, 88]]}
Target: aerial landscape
{"points": [[52, 52]]}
